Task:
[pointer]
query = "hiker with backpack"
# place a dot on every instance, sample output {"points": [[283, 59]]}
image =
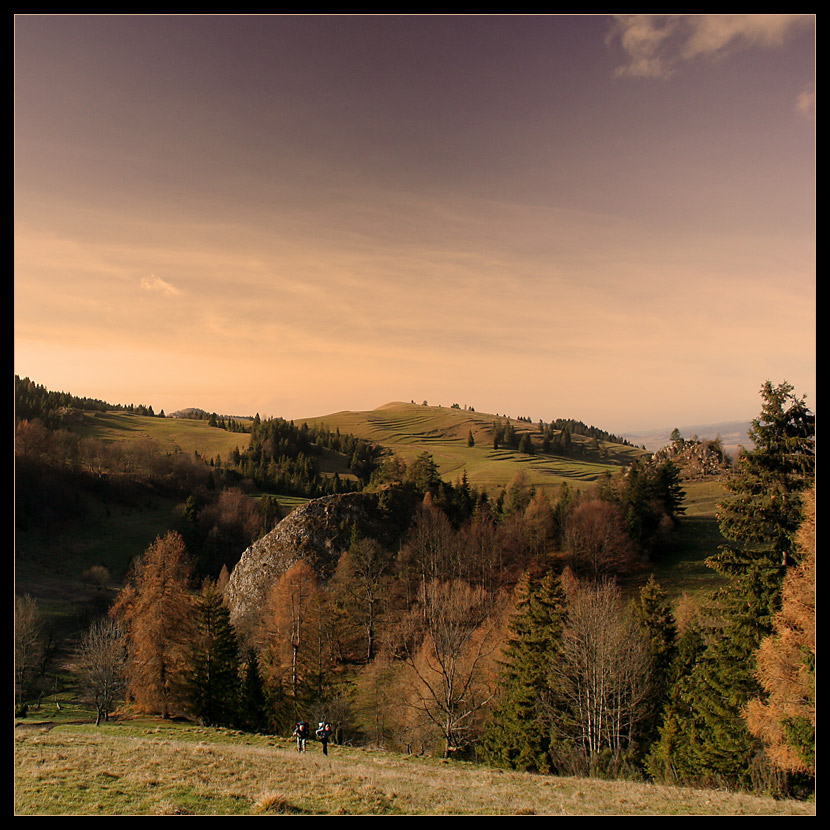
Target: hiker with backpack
{"points": [[324, 735], [301, 734]]}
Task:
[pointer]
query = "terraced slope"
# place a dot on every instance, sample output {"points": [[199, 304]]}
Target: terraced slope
{"points": [[411, 429]]}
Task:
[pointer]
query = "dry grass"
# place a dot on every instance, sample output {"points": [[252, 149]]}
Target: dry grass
{"points": [[174, 770]]}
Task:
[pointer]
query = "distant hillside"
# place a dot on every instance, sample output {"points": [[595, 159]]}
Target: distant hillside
{"points": [[462, 440], [733, 435]]}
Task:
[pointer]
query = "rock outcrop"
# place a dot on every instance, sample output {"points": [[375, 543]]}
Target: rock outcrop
{"points": [[317, 532], [695, 459]]}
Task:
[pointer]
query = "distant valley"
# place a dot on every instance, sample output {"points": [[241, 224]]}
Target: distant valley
{"points": [[733, 435]]}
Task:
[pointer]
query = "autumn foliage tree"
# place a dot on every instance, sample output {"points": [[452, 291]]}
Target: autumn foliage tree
{"points": [[597, 541], [291, 637], [155, 610], [786, 720]]}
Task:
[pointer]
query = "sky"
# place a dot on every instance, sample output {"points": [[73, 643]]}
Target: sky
{"points": [[606, 218]]}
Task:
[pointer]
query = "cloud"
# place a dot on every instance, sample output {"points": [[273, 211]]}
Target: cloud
{"points": [[657, 44], [805, 103], [160, 286]]}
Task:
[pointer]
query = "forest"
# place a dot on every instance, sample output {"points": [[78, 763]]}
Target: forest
{"points": [[500, 628]]}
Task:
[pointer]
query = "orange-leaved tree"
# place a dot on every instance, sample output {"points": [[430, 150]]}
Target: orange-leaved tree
{"points": [[156, 611], [786, 719]]}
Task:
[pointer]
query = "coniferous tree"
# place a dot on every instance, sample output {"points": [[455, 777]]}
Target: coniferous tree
{"points": [[760, 521], [253, 698], [518, 734], [214, 681], [655, 618], [668, 759]]}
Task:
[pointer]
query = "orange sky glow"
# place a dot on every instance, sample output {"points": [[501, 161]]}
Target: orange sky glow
{"points": [[594, 217]]}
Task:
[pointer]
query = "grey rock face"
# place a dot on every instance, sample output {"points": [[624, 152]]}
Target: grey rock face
{"points": [[317, 532]]}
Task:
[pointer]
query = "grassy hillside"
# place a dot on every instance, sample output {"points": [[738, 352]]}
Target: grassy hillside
{"points": [[411, 429], [49, 566], [182, 434], [151, 767]]}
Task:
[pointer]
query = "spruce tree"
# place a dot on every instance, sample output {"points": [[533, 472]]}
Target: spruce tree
{"points": [[760, 521], [668, 760], [654, 616], [253, 699], [517, 736], [214, 682]]}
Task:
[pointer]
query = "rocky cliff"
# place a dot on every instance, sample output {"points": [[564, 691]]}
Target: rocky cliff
{"points": [[318, 532]]}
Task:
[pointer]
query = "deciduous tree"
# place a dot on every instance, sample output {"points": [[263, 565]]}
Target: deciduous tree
{"points": [[100, 662], [446, 641], [785, 719], [155, 610], [597, 541], [601, 678], [29, 645]]}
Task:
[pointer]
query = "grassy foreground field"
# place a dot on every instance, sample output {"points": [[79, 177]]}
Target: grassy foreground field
{"points": [[150, 767]]}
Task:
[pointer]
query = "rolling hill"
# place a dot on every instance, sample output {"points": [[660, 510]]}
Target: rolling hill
{"points": [[410, 429]]}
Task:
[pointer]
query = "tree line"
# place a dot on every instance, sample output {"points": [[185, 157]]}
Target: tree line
{"points": [[498, 630], [33, 401]]}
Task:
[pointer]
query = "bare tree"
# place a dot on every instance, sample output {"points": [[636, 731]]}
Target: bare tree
{"points": [[601, 674], [30, 645], [597, 540], [101, 659], [446, 640]]}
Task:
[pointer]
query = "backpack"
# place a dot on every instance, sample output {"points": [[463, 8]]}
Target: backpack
{"points": [[302, 728]]}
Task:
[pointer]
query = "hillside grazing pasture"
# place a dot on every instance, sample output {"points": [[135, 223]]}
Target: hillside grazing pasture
{"points": [[173, 434], [412, 429], [152, 767]]}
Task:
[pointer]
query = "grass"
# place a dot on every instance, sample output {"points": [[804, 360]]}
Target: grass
{"points": [[683, 568], [175, 434], [411, 429], [152, 767]]}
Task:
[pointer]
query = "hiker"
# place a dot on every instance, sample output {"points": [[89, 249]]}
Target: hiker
{"points": [[301, 734], [324, 735]]}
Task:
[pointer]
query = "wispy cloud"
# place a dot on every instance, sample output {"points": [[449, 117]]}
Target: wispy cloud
{"points": [[159, 286], [805, 103], [655, 45]]}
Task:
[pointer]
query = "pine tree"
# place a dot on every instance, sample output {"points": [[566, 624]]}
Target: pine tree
{"points": [[517, 736], [766, 506], [668, 760]]}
